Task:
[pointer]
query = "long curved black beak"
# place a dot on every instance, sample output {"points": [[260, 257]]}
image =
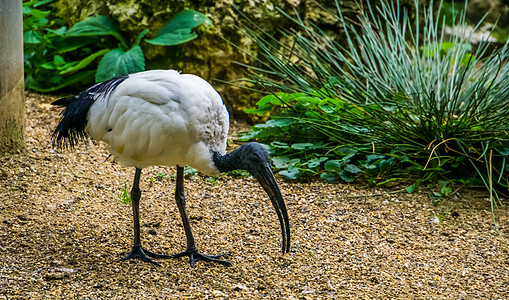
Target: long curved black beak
{"points": [[266, 179]]}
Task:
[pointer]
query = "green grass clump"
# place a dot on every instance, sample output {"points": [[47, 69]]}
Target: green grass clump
{"points": [[392, 99], [125, 195]]}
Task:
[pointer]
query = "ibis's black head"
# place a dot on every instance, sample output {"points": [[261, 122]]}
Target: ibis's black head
{"points": [[255, 159]]}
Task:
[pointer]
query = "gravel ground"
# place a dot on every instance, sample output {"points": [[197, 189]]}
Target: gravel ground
{"points": [[63, 229]]}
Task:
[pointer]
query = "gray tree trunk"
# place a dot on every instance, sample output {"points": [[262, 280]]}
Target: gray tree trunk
{"points": [[12, 104]]}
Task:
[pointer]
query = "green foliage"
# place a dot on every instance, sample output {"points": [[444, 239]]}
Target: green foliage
{"points": [[179, 30], [125, 196], [118, 62], [399, 99], [189, 172], [45, 49], [48, 50], [160, 176], [212, 180], [307, 136], [443, 214], [129, 58], [238, 173]]}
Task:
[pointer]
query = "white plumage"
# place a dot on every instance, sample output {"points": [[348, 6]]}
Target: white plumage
{"points": [[163, 117]]}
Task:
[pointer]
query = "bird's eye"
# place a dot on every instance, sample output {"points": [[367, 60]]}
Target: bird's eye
{"points": [[255, 159]]}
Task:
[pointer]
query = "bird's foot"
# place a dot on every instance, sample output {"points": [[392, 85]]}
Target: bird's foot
{"points": [[144, 255], [195, 256]]}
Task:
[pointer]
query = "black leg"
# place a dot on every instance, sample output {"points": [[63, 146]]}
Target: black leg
{"points": [[191, 250], [138, 251]]}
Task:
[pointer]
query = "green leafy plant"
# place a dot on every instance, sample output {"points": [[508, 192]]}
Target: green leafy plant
{"points": [[301, 149], [189, 172], [128, 58], [125, 195], [212, 180], [431, 105], [56, 58], [238, 173], [160, 175], [45, 49]]}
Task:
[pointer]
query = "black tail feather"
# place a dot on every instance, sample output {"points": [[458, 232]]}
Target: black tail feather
{"points": [[72, 126], [64, 102]]}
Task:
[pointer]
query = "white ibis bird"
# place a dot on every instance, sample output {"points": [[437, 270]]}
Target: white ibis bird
{"points": [[162, 117]]}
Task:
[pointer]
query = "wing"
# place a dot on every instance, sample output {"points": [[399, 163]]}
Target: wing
{"points": [[162, 118]]}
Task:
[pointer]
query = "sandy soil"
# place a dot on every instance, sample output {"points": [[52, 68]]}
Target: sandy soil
{"points": [[63, 229]]}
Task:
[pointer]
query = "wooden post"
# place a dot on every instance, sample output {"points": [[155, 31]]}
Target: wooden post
{"points": [[12, 100]]}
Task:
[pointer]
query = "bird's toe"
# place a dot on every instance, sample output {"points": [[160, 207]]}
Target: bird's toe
{"points": [[144, 255], [195, 256]]}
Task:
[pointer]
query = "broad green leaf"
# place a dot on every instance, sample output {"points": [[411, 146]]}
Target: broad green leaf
{"points": [[42, 2], [291, 173], [293, 162], [370, 167], [60, 31], [58, 61], [98, 25], [246, 136], [352, 169], [84, 62], [315, 162], [467, 58], [117, 63], [303, 146], [179, 29], [503, 151], [435, 196], [385, 164], [347, 150], [280, 162], [48, 66], [31, 37], [306, 100], [262, 109], [307, 146], [410, 189], [283, 122], [445, 190], [269, 99], [346, 176], [39, 14], [372, 157], [327, 109], [328, 176], [347, 157], [279, 145], [446, 46], [333, 166]]}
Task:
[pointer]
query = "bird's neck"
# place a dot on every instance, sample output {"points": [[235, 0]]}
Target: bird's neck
{"points": [[227, 162]]}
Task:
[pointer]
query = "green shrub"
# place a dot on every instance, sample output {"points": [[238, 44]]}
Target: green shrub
{"points": [[46, 50], [58, 58], [397, 99], [128, 58]]}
